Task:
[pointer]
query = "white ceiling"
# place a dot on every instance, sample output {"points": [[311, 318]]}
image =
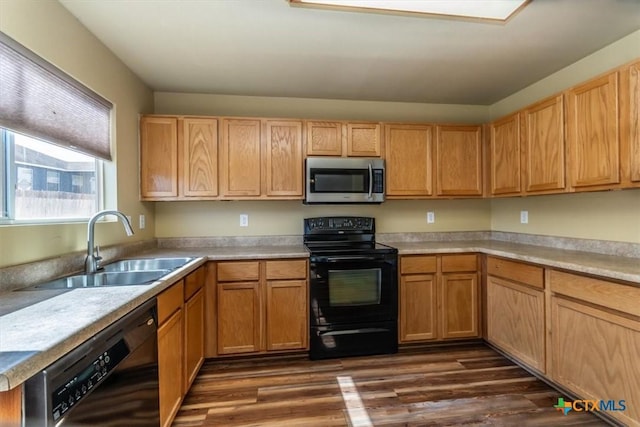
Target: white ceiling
{"points": [[269, 48]]}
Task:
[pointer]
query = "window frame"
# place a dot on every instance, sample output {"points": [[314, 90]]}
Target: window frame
{"points": [[8, 178]]}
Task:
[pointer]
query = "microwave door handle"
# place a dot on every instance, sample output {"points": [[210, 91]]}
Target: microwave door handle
{"points": [[370, 182]]}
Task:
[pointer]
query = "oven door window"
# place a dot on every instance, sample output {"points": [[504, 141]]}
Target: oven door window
{"points": [[354, 287], [339, 180], [352, 292]]}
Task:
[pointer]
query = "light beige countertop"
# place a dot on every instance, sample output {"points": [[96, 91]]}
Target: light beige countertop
{"points": [[38, 327], [608, 266]]}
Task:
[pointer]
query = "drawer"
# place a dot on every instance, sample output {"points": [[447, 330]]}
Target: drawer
{"points": [[170, 301], [238, 271], [193, 282], [612, 295], [517, 271], [414, 264], [466, 262], [287, 269]]}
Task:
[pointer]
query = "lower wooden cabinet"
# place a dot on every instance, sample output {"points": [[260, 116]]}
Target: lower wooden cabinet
{"points": [[262, 306], [239, 317], [418, 307], [595, 340], [286, 316], [438, 297], [194, 336], [180, 341], [170, 352], [11, 407], [516, 310]]}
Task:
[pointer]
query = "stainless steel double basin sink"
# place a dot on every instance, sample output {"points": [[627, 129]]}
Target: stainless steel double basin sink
{"points": [[127, 272]]}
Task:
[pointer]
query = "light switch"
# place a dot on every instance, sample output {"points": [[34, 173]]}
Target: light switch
{"points": [[524, 217], [244, 220]]}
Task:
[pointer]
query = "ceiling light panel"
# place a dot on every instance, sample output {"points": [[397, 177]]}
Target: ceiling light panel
{"points": [[480, 9]]}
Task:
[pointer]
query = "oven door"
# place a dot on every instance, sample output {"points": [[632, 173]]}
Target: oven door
{"points": [[354, 288]]}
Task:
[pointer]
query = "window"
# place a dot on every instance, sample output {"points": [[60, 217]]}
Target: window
{"points": [[44, 181], [54, 135]]}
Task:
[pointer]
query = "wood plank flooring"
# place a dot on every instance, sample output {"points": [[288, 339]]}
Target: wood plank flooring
{"points": [[468, 385]]}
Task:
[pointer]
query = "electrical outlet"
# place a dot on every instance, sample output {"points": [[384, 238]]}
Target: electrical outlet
{"points": [[431, 217], [244, 220], [524, 217], [141, 221]]}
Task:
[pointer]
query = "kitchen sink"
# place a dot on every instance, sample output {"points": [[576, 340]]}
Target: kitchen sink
{"points": [[103, 279], [145, 264]]}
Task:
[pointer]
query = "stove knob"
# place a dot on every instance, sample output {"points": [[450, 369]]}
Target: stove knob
{"points": [[78, 395], [71, 401], [84, 389], [64, 406]]}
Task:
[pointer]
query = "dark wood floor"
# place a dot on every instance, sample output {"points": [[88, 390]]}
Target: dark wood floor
{"points": [[464, 385]]}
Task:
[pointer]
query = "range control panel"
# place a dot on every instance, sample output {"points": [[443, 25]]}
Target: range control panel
{"points": [[86, 379], [338, 224]]}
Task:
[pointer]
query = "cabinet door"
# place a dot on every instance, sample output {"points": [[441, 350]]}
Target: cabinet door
{"points": [[170, 367], [363, 140], [418, 307], [194, 336], [287, 318], [240, 158], [408, 157], [11, 407], [283, 159], [630, 121], [324, 138], [592, 134], [505, 156], [459, 305], [595, 354], [543, 146], [459, 161], [515, 321], [200, 162], [239, 317], [158, 157]]}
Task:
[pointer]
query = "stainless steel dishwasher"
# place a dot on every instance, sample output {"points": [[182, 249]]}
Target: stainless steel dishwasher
{"points": [[109, 380]]}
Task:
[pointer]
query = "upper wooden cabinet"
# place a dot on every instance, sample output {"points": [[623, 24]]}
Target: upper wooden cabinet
{"points": [[505, 156], [630, 123], [200, 157], [158, 157], [459, 161], [240, 158], [178, 157], [409, 160], [543, 146], [324, 138], [363, 140], [339, 138], [593, 140], [261, 159], [283, 158]]}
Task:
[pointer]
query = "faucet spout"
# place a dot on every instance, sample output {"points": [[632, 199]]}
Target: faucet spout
{"points": [[92, 260]]}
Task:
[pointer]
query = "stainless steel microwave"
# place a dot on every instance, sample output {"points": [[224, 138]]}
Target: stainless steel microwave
{"points": [[344, 180]]}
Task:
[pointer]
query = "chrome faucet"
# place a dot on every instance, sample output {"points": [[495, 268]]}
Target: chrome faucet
{"points": [[92, 262]]}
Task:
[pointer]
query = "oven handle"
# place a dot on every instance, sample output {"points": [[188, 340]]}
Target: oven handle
{"points": [[370, 182], [353, 331], [350, 258]]}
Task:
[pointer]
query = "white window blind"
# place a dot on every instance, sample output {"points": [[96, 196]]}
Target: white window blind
{"points": [[40, 100]]}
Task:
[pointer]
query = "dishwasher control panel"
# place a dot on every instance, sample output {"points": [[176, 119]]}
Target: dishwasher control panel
{"points": [[85, 377]]}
